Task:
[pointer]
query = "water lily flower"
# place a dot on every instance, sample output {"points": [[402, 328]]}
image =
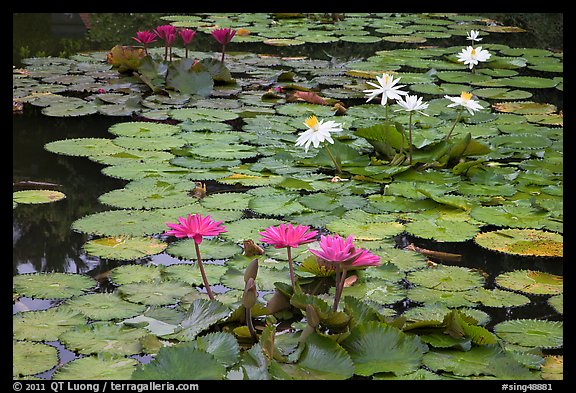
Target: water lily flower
{"points": [[318, 132], [166, 33], [223, 36], [472, 56], [472, 35], [145, 37], [412, 103], [288, 236], [465, 101], [342, 254], [187, 36], [196, 227], [386, 87]]}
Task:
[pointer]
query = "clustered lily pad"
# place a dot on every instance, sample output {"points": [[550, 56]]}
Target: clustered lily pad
{"points": [[220, 140]]}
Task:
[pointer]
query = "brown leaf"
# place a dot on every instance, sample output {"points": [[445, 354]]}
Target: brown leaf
{"points": [[310, 96], [350, 281]]}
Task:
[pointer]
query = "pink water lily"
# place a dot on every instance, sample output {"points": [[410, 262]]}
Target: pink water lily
{"points": [[145, 37], [166, 33], [187, 35], [343, 255], [223, 35], [288, 236], [196, 227]]}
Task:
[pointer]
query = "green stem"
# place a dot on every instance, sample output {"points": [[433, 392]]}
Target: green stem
{"points": [[338, 169], [410, 135], [250, 324], [292, 278], [203, 273], [336, 295], [223, 50], [386, 122], [454, 125], [339, 290]]}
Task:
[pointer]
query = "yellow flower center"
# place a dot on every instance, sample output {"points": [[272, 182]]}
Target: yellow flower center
{"points": [[312, 121], [386, 80], [466, 96], [473, 53]]}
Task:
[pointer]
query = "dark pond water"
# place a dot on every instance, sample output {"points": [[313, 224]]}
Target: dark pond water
{"points": [[42, 239]]}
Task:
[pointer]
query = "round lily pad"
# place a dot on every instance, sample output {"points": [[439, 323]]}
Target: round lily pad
{"points": [[154, 294], [83, 147], [531, 332], [557, 302], [245, 229], [104, 338], [123, 222], [496, 297], [32, 358], [130, 274], [447, 278], [190, 273], [445, 298], [525, 242], [97, 368], [52, 285], [525, 107], [209, 249], [531, 282], [124, 248], [37, 196], [143, 129], [104, 306], [45, 325]]}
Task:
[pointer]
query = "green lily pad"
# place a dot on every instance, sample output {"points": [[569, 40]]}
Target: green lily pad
{"points": [[531, 282], [52, 285], [525, 242], [379, 292], [365, 231], [209, 249], [32, 358], [122, 223], [141, 129], [478, 361], [83, 147], [529, 82], [223, 346], [70, 109], [525, 108], [450, 299], [104, 306], [37, 196], [154, 294], [97, 368], [447, 278], [553, 368], [245, 229], [124, 248], [442, 230], [132, 273], [283, 42], [45, 325], [496, 297], [557, 302], [202, 314], [531, 332], [104, 337], [181, 362], [377, 347], [162, 142]]}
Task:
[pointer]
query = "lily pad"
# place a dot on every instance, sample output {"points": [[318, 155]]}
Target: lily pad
{"points": [[104, 306], [45, 325], [249, 228], [52, 285], [141, 129], [97, 368], [557, 302], [531, 282], [209, 249], [531, 332], [496, 297], [124, 248], [104, 337], [447, 278], [202, 314], [32, 358], [83, 147], [132, 273], [525, 242], [121, 223], [154, 294], [377, 347], [37, 196]]}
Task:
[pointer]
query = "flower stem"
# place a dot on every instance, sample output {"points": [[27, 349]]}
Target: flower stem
{"points": [[339, 289], [454, 125], [410, 135], [338, 169], [203, 273], [292, 278], [337, 284], [250, 324], [223, 50], [386, 123]]}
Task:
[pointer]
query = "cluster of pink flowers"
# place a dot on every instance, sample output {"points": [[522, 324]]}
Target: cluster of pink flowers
{"points": [[169, 33]]}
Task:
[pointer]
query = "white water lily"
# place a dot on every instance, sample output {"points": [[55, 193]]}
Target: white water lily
{"points": [[472, 56], [473, 36], [317, 132], [465, 100], [412, 104], [385, 86]]}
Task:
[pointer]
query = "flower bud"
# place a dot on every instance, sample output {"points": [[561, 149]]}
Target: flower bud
{"points": [[251, 270], [250, 295], [312, 316]]}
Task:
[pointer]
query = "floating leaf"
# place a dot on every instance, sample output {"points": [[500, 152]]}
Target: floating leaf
{"points": [[553, 368], [97, 368], [245, 229], [557, 302], [496, 297], [531, 332], [132, 273], [181, 362], [37, 196], [209, 249], [531, 282], [104, 337], [525, 108], [154, 294], [449, 299], [377, 347], [124, 248], [104, 306], [442, 230], [31, 358], [122, 223], [141, 129], [202, 314], [83, 147], [526, 242], [52, 285], [45, 325], [447, 278]]}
